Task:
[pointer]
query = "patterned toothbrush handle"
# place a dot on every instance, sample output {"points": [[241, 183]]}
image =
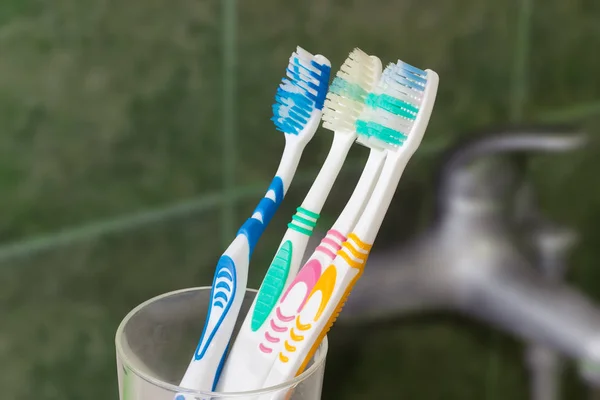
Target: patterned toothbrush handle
{"points": [[355, 253], [252, 229], [254, 226], [227, 293], [296, 295], [284, 266], [309, 328]]}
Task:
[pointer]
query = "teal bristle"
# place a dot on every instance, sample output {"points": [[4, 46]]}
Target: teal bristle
{"points": [[346, 89], [347, 93], [370, 130], [393, 106], [397, 107], [371, 100], [386, 134]]}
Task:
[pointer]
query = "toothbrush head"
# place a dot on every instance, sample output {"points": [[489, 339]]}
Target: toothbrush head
{"points": [[398, 109], [348, 92], [300, 97]]}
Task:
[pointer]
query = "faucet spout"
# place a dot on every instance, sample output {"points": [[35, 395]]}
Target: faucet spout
{"points": [[519, 300]]}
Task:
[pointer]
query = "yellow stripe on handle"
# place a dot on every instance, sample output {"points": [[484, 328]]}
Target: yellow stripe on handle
{"points": [[338, 309], [348, 246], [366, 247], [329, 324], [349, 260], [348, 249]]}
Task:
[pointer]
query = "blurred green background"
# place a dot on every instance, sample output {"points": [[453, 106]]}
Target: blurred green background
{"points": [[135, 137]]}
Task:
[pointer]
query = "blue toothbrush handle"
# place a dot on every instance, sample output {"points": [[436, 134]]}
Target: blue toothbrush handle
{"points": [[225, 301], [222, 296], [254, 227], [227, 294]]}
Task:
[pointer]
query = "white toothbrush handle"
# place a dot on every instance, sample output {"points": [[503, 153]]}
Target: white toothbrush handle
{"points": [[358, 200], [252, 356], [283, 268], [329, 294], [244, 371], [227, 294], [253, 353], [286, 262], [273, 333], [231, 277], [372, 218], [325, 299]]}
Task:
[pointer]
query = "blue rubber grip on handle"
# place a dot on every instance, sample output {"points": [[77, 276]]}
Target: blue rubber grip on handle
{"points": [[253, 228], [222, 295]]}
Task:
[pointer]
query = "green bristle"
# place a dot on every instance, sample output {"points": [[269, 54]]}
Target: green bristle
{"points": [[370, 129], [344, 88], [392, 105], [372, 100], [399, 104], [362, 128], [385, 134]]}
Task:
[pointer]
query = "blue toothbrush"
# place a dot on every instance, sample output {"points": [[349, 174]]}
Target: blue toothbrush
{"points": [[297, 113]]}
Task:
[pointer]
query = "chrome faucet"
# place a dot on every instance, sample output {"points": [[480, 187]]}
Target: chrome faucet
{"points": [[490, 254]]}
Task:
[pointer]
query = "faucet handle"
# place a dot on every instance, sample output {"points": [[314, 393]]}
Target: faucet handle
{"points": [[471, 170], [515, 139]]}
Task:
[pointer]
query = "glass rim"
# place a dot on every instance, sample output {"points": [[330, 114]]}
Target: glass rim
{"points": [[319, 358]]}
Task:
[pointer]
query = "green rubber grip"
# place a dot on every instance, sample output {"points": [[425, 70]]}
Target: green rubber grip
{"points": [[272, 285]]}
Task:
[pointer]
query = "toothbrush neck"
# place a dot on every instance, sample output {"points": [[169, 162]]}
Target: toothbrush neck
{"points": [[372, 218], [315, 199], [289, 163], [361, 193], [254, 226]]}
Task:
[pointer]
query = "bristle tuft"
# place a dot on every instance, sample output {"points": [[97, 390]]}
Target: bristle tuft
{"points": [[348, 91], [392, 106], [301, 93]]}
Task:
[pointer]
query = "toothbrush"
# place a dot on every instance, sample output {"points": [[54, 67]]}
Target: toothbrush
{"points": [[251, 357], [297, 113], [272, 334], [399, 112]]}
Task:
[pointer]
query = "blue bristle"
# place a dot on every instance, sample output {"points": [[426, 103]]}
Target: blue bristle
{"points": [[410, 84], [298, 96], [323, 79], [411, 68], [407, 75], [414, 77]]}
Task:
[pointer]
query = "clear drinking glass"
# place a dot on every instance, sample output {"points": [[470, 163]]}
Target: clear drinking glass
{"points": [[155, 342]]}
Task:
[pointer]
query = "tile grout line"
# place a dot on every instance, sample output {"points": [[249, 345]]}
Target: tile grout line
{"points": [[519, 77], [517, 102], [116, 225]]}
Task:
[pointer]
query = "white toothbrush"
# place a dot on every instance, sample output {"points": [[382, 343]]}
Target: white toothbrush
{"points": [[297, 112], [401, 107], [255, 348]]}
